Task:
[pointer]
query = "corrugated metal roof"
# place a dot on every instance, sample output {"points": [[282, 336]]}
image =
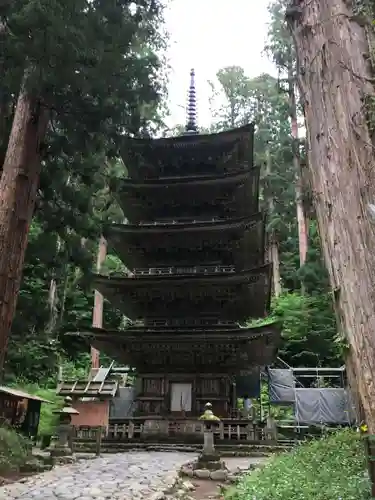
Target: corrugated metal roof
{"points": [[96, 385], [102, 374], [87, 388], [21, 394]]}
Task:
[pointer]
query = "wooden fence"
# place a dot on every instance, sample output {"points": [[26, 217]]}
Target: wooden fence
{"points": [[132, 429]]}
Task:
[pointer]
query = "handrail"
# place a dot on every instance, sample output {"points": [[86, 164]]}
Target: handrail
{"points": [[167, 222], [147, 271]]}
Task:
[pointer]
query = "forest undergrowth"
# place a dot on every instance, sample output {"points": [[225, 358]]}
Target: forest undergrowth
{"points": [[331, 468]]}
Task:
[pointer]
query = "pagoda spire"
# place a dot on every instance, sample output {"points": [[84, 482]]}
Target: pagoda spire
{"points": [[191, 122]]}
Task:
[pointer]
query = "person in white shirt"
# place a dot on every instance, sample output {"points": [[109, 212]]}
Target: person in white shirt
{"points": [[247, 405]]}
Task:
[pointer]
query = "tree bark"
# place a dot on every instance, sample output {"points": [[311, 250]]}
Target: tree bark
{"points": [[18, 189], [335, 82], [97, 315]]}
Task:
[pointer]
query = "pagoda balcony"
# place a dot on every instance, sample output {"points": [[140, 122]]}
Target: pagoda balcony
{"points": [[164, 271], [203, 154], [236, 242], [182, 325], [180, 221], [226, 296]]}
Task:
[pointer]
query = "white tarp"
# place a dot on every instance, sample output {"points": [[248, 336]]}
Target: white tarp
{"points": [[281, 386]]}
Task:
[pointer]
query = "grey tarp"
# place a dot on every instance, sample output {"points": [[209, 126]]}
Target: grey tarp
{"points": [[322, 406], [122, 406], [281, 386]]}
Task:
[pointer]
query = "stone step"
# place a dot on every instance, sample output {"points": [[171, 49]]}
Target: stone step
{"points": [[111, 446]]}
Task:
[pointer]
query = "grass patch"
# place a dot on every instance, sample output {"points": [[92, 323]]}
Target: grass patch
{"points": [[48, 420], [14, 451], [330, 468]]}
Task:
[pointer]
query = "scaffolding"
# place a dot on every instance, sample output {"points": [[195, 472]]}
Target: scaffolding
{"points": [[317, 397]]}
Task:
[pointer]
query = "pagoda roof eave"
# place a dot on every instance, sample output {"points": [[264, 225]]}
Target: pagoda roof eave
{"points": [[183, 279], [228, 296], [211, 334], [146, 157], [128, 184], [256, 346], [132, 195], [198, 226], [189, 140]]}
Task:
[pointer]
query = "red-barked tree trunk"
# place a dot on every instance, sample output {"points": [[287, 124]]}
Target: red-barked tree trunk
{"points": [[18, 190]]}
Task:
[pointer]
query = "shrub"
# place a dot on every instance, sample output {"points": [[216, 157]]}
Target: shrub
{"points": [[14, 450], [330, 468], [48, 420]]}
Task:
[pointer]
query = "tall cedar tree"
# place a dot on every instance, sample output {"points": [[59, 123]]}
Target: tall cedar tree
{"points": [[280, 48], [336, 84], [80, 75]]}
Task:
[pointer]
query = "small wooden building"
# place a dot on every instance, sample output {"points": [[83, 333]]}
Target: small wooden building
{"points": [[20, 410], [91, 397]]}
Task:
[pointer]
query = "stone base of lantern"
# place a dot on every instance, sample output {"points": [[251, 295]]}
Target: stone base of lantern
{"points": [[210, 461], [207, 467], [61, 455]]}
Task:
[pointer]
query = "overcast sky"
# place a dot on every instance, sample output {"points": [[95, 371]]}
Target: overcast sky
{"points": [[208, 35]]}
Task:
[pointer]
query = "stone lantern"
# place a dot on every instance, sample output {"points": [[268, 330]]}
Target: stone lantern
{"points": [[61, 450], [208, 465], [211, 421], [209, 459]]}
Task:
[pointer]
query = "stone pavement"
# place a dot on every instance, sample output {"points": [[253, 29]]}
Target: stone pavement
{"points": [[125, 476]]}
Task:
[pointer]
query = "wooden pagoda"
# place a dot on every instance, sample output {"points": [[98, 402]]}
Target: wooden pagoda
{"points": [[195, 242]]}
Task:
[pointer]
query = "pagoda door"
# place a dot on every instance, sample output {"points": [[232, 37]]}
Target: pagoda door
{"points": [[181, 397]]}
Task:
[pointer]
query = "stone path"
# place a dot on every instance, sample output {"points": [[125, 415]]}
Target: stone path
{"points": [[125, 476]]}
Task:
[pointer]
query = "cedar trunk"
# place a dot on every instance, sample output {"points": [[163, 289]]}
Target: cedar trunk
{"points": [[301, 217], [18, 189], [97, 315], [335, 82], [273, 252], [52, 297]]}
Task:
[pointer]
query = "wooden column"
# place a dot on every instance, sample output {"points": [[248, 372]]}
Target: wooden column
{"points": [[97, 315]]}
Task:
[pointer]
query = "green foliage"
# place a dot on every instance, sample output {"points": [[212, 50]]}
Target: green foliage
{"points": [[99, 68], [48, 420], [14, 451], [309, 329], [330, 468]]}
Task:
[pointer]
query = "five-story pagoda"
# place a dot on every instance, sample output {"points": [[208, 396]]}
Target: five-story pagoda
{"points": [[195, 242]]}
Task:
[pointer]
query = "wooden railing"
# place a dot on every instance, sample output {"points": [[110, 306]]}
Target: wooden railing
{"points": [[181, 221], [244, 431], [183, 270]]}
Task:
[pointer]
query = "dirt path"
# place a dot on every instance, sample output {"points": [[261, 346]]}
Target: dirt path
{"points": [[210, 490]]}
